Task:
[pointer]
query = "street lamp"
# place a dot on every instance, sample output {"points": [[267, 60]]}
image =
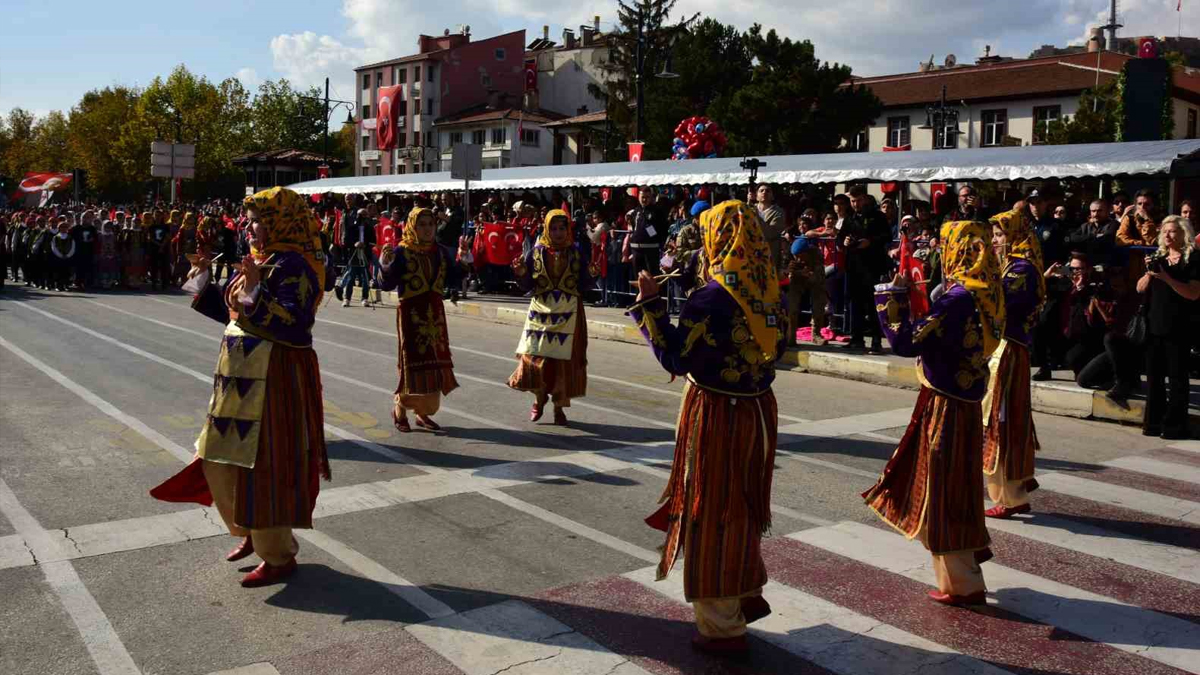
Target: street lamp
{"points": [[944, 121], [640, 67], [330, 105]]}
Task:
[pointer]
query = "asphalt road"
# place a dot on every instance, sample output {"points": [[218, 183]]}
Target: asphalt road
{"points": [[501, 545]]}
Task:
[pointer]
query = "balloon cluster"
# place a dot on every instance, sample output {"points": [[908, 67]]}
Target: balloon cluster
{"points": [[697, 137]]}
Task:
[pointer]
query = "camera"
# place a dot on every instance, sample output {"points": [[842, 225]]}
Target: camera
{"points": [[752, 164], [1155, 264]]}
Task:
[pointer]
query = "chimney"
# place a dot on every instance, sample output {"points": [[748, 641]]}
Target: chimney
{"points": [[1096, 42], [586, 35], [596, 23], [568, 38], [546, 33]]}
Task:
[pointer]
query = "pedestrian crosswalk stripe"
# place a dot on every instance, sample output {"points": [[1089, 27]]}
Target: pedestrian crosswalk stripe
{"points": [[1119, 495], [833, 636], [1157, 467], [1096, 617], [514, 637], [1186, 446]]}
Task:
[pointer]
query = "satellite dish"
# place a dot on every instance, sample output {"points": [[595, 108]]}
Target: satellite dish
{"points": [[951, 60]]}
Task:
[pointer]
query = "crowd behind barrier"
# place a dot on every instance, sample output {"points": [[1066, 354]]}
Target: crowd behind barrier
{"points": [[830, 251]]}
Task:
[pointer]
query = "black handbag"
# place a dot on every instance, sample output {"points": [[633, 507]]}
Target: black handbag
{"points": [[1136, 332]]}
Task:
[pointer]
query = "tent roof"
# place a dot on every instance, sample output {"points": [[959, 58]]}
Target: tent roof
{"points": [[922, 166]]}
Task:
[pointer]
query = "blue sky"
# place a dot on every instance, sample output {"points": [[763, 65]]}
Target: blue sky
{"points": [[51, 53]]}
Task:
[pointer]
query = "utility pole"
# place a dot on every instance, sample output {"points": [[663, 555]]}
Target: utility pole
{"points": [[640, 57]]}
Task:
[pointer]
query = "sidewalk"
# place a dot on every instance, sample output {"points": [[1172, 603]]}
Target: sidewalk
{"points": [[1059, 396]]}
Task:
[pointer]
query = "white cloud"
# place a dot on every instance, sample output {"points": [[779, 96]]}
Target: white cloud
{"points": [[249, 78]]}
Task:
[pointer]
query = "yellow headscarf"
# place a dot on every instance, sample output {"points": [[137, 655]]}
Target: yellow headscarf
{"points": [[173, 219], [408, 238], [289, 226], [740, 261], [1023, 243], [147, 219], [544, 236], [189, 220], [968, 259]]}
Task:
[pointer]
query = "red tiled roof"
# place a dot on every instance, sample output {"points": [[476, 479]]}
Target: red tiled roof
{"points": [[474, 115], [1025, 78], [578, 120]]}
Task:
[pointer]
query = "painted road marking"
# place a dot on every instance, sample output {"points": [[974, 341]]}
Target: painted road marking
{"points": [[513, 637], [833, 636], [103, 644], [1119, 495], [1096, 617], [1157, 467]]}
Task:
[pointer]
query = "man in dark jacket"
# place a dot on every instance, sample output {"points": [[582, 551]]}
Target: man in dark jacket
{"points": [[648, 225], [864, 236], [85, 235], [1097, 236], [158, 250], [358, 236]]}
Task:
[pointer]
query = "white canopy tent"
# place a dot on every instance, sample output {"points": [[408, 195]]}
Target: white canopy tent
{"points": [[1147, 158]]}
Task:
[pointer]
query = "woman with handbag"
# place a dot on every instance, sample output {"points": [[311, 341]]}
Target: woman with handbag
{"points": [[1171, 286]]}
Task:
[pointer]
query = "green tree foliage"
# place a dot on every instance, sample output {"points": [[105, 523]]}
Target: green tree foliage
{"points": [[793, 103], [1095, 122]]}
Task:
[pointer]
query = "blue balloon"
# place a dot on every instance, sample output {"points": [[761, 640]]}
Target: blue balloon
{"points": [[678, 141], [700, 128], [710, 156]]}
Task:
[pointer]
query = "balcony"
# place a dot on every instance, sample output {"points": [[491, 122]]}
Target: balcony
{"points": [[414, 90]]}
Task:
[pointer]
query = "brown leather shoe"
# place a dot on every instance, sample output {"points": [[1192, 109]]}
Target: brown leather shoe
{"points": [[734, 646], [974, 599], [427, 423], [265, 574], [245, 548], [1004, 513], [402, 424]]}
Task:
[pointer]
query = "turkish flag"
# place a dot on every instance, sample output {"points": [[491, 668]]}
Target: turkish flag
{"points": [[936, 190], [531, 82], [502, 242], [918, 302], [635, 151], [38, 181], [385, 123]]}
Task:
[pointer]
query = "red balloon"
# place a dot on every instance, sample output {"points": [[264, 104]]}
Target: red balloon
{"points": [[709, 148], [694, 150]]}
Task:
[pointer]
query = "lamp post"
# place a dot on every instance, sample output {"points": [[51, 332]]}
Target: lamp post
{"points": [[941, 118], [330, 105], [640, 50]]}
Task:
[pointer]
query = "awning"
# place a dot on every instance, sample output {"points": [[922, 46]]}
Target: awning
{"points": [[922, 166]]}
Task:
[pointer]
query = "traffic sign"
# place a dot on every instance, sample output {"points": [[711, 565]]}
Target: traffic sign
{"points": [[466, 162]]}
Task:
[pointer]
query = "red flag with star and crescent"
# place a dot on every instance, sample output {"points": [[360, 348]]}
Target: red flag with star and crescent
{"points": [[385, 123]]}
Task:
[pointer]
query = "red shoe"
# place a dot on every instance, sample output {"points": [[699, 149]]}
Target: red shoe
{"points": [[976, 598], [426, 423], [402, 425], [241, 550], [560, 416], [265, 575], [1004, 513], [734, 646], [535, 413], [755, 608]]}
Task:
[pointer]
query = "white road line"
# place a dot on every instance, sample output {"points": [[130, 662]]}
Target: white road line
{"points": [[1073, 535], [833, 636], [572, 526], [405, 590], [1186, 446], [1096, 617], [263, 668], [1119, 495], [1156, 467], [107, 408], [14, 552], [513, 637], [102, 642]]}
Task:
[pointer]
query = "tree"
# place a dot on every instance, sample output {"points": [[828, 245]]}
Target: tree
{"points": [[619, 91], [93, 138], [50, 141], [1094, 122], [793, 103], [19, 154], [281, 119]]}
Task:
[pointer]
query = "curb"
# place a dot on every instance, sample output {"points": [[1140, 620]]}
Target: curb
{"points": [[1053, 398]]}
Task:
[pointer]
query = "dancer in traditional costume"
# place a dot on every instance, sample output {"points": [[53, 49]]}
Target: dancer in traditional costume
{"points": [[930, 488], [717, 504], [552, 353], [419, 270], [262, 449], [1009, 438]]}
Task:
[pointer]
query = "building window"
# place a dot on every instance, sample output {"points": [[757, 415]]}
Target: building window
{"points": [[531, 137], [379, 169], [898, 131], [455, 138], [430, 72], [416, 74], [1191, 123], [485, 80], [995, 126], [401, 75], [379, 79], [403, 168], [1043, 117], [945, 137], [478, 137], [429, 106], [416, 168], [366, 142], [366, 111], [501, 54], [367, 81], [861, 142], [499, 136]]}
